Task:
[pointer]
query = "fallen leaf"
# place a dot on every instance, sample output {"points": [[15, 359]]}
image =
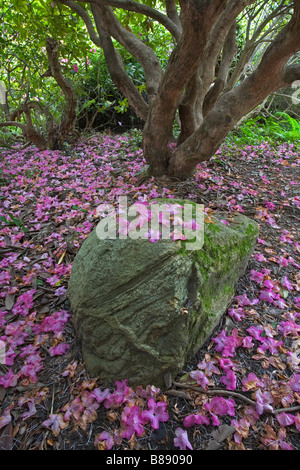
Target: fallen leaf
{"points": [[219, 435], [179, 393], [6, 437], [213, 445], [111, 416], [223, 432], [61, 258], [168, 379], [9, 301]]}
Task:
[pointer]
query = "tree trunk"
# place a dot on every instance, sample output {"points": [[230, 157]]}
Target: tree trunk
{"points": [[222, 112], [117, 70], [28, 132], [54, 135], [202, 81], [187, 108], [69, 117], [182, 65]]}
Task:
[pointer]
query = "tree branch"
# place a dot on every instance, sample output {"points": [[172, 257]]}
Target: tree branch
{"points": [[291, 73], [251, 43], [53, 135], [156, 15], [113, 58], [69, 118], [143, 53], [270, 75], [173, 14], [186, 108], [229, 51], [28, 130], [13, 123], [117, 71], [85, 17], [199, 27]]}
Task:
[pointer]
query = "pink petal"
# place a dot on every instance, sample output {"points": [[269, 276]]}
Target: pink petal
{"points": [[285, 419], [181, 440]]}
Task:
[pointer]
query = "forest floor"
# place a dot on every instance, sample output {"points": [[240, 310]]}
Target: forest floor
{"points": [[244, 389]]}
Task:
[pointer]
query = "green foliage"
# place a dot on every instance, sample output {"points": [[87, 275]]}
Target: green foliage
{"points": [[13, 221], [149, 31], [278, 128], [100, 103], [3, 179], [25, 27], [135, 138]]}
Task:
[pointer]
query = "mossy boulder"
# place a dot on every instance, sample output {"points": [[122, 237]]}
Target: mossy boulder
{"points": [[143, 309]]}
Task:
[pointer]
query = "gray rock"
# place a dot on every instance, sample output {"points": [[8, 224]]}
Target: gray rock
{"points": [[143, 309]]}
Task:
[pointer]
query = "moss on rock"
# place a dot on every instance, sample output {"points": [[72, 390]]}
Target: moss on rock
{"points": [[143, 309]]}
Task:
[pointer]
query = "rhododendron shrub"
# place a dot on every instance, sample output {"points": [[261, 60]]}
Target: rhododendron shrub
{"points": [[211, 93]]}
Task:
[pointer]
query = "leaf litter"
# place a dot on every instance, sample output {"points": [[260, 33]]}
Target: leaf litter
{"points": [[241, 391]]}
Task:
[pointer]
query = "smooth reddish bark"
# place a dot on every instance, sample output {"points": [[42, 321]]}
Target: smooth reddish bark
{"points": [[199, 82]]}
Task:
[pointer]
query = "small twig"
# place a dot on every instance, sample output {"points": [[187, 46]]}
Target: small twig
{"points": [[178, 393], [216, 392], [219, 391], [12, 247], [46, 289], [53, 392], [286, 410]]}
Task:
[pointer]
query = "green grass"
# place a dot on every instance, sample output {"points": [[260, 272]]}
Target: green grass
{"points": [[278, 128]]}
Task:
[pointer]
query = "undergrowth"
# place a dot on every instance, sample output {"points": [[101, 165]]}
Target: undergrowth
{"points": [[278, 128]]}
